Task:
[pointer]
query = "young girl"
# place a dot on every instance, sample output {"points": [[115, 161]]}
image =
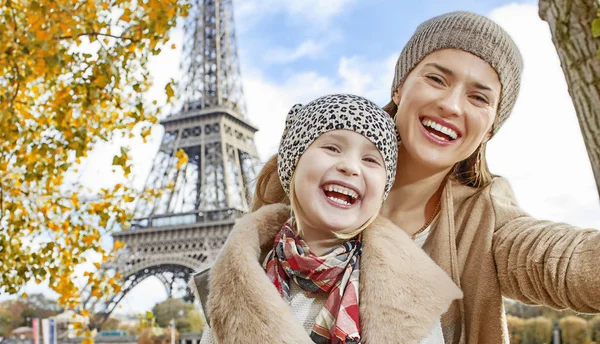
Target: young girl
{"points": [[326, 269]]}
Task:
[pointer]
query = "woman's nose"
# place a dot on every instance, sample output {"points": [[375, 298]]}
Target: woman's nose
{"points": [[451, 103]]}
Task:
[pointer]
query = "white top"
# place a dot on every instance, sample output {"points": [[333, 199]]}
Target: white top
{"points": [[306, 307], [436, 336]]}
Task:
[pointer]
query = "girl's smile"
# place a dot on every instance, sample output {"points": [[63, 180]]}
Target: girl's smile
{"points": [[341, 194], [338, 184]]}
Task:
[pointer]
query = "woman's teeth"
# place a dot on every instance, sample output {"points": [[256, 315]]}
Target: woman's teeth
{"points": [[442, 129]]}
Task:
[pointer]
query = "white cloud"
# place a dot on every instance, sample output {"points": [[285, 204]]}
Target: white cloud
{"points": [[316, 14], [308, 48], [540, 149], [312, 49]]}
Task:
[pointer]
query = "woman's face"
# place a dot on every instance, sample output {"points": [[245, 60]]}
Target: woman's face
{"points": [[446, 107]]}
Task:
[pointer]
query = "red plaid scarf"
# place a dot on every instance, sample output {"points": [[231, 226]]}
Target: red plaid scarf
{"points": [[335, 273]]}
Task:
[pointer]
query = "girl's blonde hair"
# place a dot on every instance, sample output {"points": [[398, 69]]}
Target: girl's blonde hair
{"points": [[269, 191]]}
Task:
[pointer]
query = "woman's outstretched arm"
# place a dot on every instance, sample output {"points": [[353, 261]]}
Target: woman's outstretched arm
{"points": [[543, 262]]}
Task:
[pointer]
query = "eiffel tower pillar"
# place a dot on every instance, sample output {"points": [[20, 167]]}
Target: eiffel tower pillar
{"points": [[184, 229]]}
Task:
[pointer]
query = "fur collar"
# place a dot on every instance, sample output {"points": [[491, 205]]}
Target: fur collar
{"points": [[402, 291]]}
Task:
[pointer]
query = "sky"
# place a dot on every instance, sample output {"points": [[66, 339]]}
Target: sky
{"points": [[295, 51]]}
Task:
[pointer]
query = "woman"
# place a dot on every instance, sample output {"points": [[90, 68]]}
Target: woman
{"points": [[455, 84]]}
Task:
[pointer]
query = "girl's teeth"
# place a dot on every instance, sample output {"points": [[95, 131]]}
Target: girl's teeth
{"points": [[337, 200], [342, 190]]}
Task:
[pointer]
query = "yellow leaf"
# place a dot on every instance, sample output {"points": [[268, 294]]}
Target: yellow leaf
{"points": [[119, 244], [85, 312], [182, 158], [97, 265], [145, 133], [169, 90], [24, 296], [173, 46]]}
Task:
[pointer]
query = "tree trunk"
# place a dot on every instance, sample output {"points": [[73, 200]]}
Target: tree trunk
{"points": [[570, 22]]}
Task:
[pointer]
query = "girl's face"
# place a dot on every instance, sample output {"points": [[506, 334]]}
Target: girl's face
{"points": [[446, 108], [338, 183]]}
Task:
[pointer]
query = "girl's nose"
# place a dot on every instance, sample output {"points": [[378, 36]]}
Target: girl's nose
{"points": [[348, 166]]}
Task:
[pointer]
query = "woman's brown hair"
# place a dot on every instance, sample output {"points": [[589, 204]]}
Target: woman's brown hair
{"points": [[473, 171]]}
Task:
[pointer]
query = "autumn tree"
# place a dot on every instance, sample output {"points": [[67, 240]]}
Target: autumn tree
{"points": [[73, 73], [575, 27]]}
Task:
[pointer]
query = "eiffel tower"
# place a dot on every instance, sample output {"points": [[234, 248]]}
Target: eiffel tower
{"points": [[184, 229]]}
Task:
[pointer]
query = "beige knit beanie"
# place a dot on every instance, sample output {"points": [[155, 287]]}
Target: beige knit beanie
{"points": [[472, 33]]}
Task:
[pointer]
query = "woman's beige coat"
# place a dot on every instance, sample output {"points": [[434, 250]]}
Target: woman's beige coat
{"points": [[492, 248], [402, 291]]}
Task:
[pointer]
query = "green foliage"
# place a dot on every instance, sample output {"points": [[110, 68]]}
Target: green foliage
{"points": [[516, 326], [594, 329], [16, 313], [110, 324], [173, 309], [537, 330], [187, 318], [197, 321], [596, 29], [574, 330]]}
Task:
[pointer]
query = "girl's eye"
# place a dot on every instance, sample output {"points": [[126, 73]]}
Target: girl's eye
{"points": [[372, 160], [332, 148], [436, 79]]}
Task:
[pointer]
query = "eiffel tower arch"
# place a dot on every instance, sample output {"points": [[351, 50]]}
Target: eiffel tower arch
{"points": [[183, 230]]}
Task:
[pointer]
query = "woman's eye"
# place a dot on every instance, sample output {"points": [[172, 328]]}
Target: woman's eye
{"points": [[436, 79], [332, 148], [482, 99]]}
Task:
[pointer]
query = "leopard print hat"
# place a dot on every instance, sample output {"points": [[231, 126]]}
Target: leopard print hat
{"points": [[334, 112]]}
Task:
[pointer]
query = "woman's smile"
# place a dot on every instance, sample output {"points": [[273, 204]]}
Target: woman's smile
{"points": [[439, 131]]}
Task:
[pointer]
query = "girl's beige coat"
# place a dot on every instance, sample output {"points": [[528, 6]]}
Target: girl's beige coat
{"points": [[402, 291]]}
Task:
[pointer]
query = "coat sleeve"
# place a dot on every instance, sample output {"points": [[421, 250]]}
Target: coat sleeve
{"points": [[543, 262]]}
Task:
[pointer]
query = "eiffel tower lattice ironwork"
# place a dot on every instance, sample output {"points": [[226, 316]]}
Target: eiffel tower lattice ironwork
{"points": [[185, 228]]}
